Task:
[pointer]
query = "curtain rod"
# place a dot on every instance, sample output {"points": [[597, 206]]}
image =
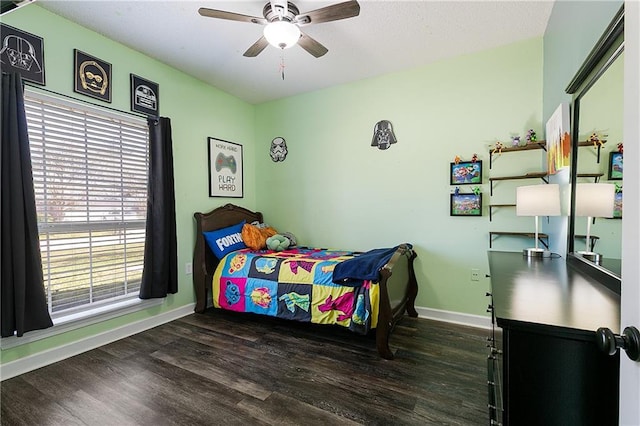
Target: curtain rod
{"points": [[137, 115]]}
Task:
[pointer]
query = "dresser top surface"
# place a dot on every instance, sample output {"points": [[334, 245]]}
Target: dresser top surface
{"points": [[548, 292]]}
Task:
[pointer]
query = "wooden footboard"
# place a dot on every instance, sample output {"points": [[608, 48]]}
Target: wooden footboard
{"points": [[398, 291]]}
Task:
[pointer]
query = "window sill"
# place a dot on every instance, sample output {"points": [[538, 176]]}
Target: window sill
{"points": [[81, 319]]}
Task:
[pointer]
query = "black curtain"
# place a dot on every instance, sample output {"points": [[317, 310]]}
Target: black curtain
{"points": [[24, 306], [160, 272]]}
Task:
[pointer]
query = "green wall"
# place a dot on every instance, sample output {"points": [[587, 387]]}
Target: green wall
{"points": [[197, 110], [335, 190], [573, 29]]}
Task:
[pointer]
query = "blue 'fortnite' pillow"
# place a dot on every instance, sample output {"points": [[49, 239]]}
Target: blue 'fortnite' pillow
{"points": [[225, 240]]}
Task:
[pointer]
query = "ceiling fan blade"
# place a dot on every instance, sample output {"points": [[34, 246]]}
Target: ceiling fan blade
{"points": [[347, 9], [311, 46], [256, 48], [231, 16]]}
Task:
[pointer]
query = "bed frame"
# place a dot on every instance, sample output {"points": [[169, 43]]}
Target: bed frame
{"points": [[398, 285]]}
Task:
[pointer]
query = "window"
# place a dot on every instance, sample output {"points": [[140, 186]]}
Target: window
{"points": [[90, 177]]}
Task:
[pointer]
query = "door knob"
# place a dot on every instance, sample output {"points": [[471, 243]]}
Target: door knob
{"points": [[629, 341]]}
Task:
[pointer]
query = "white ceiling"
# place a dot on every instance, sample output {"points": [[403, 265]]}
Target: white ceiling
{"points": [[387, 36]]}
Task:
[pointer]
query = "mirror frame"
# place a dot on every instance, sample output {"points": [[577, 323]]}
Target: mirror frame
{"points": [[604, 53]]}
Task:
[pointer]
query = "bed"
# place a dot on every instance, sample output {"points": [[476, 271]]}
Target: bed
{"points": [[364, 305]]}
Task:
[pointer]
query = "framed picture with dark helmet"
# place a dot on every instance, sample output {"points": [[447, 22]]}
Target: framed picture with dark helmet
{"points": [[23, 53]]}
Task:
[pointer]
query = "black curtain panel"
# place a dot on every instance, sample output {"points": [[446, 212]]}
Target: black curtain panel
{"points": [[24, 306], [160, 272]]}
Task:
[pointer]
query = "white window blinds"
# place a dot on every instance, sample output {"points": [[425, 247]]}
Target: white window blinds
{"points": [[90, 178]]}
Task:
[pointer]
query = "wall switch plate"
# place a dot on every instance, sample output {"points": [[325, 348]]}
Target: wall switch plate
{"points": [[188, 268], [475, 275]]}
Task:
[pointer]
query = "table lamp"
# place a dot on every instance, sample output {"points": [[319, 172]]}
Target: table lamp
{"points": [[538, 200], [594, 200]]}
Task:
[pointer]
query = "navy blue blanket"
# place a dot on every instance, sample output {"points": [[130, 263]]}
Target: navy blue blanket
{"points": [[366, 266]]}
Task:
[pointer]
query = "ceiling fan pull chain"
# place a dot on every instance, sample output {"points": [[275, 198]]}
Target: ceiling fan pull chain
{"points": [[282, 63]]}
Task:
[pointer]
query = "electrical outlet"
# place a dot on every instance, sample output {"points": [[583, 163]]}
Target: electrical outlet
{"points": [[188, 268], [475, 274]]}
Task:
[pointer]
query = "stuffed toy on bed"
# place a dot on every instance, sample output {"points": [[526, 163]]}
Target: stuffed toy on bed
{"points": [[277, 242]]}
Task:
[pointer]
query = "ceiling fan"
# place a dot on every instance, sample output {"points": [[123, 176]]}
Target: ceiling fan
{"points": [[282, 21]]}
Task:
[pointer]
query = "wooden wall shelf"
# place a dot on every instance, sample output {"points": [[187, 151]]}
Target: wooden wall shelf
{"points": [[492, 206], [598, 146], [506, 149], [532, 175], [543, 238]]}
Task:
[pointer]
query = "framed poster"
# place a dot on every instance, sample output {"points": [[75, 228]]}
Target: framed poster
{"points": [[225, 169], [92, 76], [145, 96], [615, 166], [465, 173], [558, 139], [22, 53], [466, 205]]}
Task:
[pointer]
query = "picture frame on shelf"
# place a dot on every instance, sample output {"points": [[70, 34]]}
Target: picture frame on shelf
{"points": [[225, 169], [617, 205], [465, 173], [466, 204], [615, 165]]}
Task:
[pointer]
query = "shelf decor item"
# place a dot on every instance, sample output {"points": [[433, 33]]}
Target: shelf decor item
{"points": [[225, 169], [466, 173], [615, 165], [466, 204], [23, 53], [538, 200]]}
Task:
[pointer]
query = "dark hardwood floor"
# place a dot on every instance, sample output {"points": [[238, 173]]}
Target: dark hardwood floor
{"points": [[223, 368]]}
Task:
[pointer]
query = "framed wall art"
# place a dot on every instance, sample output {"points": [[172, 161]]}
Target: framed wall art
{"points": [[145, 96], [615, 166], [466, 173], [23, 53], [92, 76], [466, 205], [225, 169], [617, 205], [558, 139]]}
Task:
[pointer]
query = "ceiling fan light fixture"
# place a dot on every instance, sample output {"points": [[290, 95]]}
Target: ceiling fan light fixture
{"points": [[282, 34]]}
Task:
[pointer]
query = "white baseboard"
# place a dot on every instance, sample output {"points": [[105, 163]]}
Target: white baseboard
{"points": [[470, 320], [50, 356]]}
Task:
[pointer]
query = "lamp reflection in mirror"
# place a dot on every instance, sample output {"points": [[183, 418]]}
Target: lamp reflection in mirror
{"points": [[594, 200], [538, 200], [282, 34]]}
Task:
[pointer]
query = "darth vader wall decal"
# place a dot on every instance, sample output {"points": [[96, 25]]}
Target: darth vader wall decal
{"points": [[383, 135], [278, 150]]}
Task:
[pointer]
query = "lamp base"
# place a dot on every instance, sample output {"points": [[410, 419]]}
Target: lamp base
{"points": [[591, 256], [536, 252]]}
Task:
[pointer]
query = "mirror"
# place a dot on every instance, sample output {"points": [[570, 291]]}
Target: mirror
{"points": [[597, 114]]}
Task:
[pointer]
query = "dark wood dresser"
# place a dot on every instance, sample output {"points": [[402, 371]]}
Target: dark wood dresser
{"points": [[544, 367]]}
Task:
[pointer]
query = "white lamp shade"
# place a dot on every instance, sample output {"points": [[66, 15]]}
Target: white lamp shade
{"points": [[538, 200], [595, 199], [282, 34]]}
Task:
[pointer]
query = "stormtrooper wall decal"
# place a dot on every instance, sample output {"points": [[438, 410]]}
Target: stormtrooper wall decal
{"points": [[23, 53], [92, 76], [278, 150], [383, 136]]}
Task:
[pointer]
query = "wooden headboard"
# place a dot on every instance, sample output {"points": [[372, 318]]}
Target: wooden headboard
{"points": [[204, 262]]}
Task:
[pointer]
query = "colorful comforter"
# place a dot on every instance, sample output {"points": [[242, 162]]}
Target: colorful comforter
{"points": [[295, 284]]}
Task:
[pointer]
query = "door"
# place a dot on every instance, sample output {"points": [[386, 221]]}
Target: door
{"points": [[630, 308]]}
